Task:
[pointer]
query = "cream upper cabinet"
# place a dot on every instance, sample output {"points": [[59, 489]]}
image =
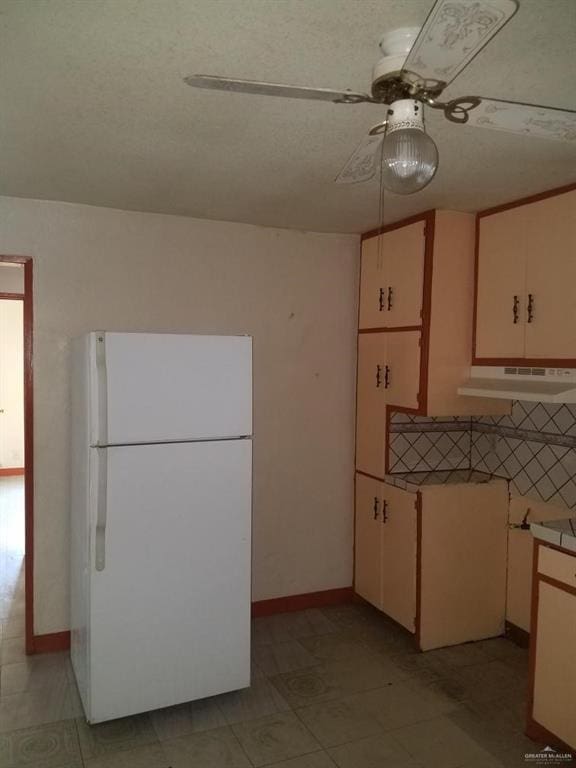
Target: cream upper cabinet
{"points": [[398, 572], [402, 370], [392, 278], [371, 403], [501, 307], [388, 374], [372, 281], [368, 560], [526, 272], [551, 278]]}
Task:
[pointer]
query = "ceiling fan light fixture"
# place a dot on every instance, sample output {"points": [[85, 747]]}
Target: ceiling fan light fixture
{"points": [[409, 155]]}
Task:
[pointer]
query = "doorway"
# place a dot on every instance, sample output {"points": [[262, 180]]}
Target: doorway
{"points": [[15, 457]]}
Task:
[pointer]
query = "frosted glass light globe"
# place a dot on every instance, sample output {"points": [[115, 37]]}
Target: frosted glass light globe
{"points": [[409, 160]]}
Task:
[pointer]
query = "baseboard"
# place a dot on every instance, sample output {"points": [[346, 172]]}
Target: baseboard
{"points": [[538, 733], [517, 635], [56, 641], [60, 641], [9, 471], [301, 602]]}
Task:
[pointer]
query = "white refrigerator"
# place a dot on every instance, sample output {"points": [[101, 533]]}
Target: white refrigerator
{"points": [[161, 519]]}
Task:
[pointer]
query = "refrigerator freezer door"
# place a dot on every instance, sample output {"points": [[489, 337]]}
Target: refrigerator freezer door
{"points": [[158, 387], [170, 610]]}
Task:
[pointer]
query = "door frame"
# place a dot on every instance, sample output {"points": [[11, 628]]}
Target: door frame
{"points": [[26, 298]]}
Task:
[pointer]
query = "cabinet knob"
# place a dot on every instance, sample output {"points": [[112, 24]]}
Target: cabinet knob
{"points": [[375, 508], [381, 300], [530, 307], [390, 293], [378, 376]]}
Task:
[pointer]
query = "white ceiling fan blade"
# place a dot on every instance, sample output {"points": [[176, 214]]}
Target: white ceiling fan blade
{"points": [[212, 82], [527, 119], [453, 34], [363, 163]]}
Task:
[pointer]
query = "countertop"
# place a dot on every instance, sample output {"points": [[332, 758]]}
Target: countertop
{"points": [[562, 533], [413, 481]]}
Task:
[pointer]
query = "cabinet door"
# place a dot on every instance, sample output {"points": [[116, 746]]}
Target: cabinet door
{"points": [[372, 280], [501, 307], [371, 403], [402, 374], [367, 547], [555, 670], [403, 275], [399, 556], [551, 277]]}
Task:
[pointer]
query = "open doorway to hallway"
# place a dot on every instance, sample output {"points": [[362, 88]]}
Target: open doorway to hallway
{"points": [[12, 463]]}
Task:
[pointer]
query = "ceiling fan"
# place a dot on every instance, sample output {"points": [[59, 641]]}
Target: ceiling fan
{"points": [[416, 66]]}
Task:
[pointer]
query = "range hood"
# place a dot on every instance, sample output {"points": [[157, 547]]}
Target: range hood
{"points": [[537, 385]]}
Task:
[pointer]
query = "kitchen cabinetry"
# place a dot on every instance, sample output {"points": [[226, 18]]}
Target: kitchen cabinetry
{"points": [[434, 559], [552, 698], [413, 355], [526, 267]]}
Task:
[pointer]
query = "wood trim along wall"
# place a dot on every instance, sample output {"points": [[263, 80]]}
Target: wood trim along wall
{"points": [[12, 296], [26, 261], [56, 641], [11, 471], [517, 635], [526, 200], [518, 361], [303, 601]]}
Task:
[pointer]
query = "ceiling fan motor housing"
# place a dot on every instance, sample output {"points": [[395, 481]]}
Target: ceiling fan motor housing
{"points": [[388, 83]]}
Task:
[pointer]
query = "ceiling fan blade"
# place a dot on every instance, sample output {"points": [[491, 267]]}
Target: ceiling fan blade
{"points": [[453, 34], [215, 83], [363, 163], [527, 119]]}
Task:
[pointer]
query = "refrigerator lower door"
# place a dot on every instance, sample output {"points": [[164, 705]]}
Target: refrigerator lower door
{"points": [[169, 575]]}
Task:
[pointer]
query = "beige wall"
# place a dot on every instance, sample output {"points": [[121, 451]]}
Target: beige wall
{"points": [[294, 292], [11, 278]]}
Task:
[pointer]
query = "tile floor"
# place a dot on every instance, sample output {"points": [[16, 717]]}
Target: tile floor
{"points": [[339, 687]]}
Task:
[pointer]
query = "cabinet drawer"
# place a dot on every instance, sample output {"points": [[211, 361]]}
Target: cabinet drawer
{"points": [[557, 565]]}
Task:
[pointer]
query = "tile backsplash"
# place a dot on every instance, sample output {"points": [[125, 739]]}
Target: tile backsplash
{"points": [[534, 448], [428, 444]]}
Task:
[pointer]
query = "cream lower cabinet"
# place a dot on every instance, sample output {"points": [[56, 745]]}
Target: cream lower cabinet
{"points": [[385, 549], [553, 648], [434, 560]]}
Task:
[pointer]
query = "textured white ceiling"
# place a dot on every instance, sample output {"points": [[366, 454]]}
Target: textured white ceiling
{"points": [[94, 109]]}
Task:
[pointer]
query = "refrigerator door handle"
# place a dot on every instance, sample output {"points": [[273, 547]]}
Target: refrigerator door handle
{"points": [[101, 512], [102, 388]]}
